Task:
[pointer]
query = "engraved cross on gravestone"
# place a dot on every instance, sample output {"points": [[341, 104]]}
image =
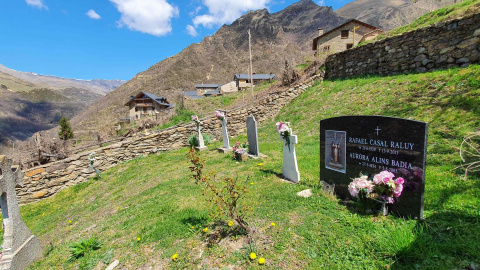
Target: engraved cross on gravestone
{"points": [[20, 247]]}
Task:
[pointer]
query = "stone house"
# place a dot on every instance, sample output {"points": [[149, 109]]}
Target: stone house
{"points": [[343, 37], [146, 104], [207, 89], [242, 81], [229, 87]]}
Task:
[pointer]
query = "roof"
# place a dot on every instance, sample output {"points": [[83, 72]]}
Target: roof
{"points": [[314, 47], [156, 99], [255, 76], [207, 85], [212, 92]]}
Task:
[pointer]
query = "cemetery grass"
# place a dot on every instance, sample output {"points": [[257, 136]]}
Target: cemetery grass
{"points": [[146, 210]]}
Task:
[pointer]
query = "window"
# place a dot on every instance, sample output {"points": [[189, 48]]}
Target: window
{"points": [[349, 45], [345, 33], [326, 48]]}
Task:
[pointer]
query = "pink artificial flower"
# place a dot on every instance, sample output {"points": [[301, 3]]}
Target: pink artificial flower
{"points": [[399, 181], [364, 183], [383, 177], [219, 114], [281, 127], [352, 188]]}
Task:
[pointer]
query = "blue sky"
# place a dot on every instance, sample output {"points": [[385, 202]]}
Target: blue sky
{"points": [[112, 39]]}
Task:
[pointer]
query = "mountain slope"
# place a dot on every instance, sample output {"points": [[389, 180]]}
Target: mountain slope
{"points": [[31, 102], [285, 35], [389, 14]]}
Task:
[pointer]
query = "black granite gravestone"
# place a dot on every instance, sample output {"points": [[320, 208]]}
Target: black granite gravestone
{"points": [[350, 145]]}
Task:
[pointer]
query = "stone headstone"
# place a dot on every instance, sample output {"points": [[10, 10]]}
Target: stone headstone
{"points": [[252, 136], [201, 144], [20, 247], [226, 141], [350, 145], [290, 166]]}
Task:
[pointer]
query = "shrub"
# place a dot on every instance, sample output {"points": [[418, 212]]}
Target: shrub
{"points": [[224, 196], [79, 249], [192, 140]]}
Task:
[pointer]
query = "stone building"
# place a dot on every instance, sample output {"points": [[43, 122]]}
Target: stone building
{"points": [[343, 37], [243, 80], [146, 104], [207, 89]]}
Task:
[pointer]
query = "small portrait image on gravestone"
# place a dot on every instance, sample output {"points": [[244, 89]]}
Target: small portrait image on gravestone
{"points": [[335, 152]]}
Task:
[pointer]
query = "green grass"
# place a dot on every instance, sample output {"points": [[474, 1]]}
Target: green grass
{"points": [[147, 209], [458, 10]]}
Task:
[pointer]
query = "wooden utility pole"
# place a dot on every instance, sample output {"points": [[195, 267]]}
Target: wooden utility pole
{"points": [[251, 69], [354, 28]]}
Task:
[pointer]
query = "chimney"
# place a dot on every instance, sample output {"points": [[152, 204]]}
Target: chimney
{"points": [[320, 31]]}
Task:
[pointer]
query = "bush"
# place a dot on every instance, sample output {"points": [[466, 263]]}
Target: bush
{"points": [[79, 249], [192, 140]]}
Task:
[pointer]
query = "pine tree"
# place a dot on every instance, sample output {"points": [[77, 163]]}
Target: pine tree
{"points": [[65, 129]]}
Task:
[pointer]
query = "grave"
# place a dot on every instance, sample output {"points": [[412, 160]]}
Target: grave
{"points": [[20, 247], [252, 136], [201, 144], [226, 142], [290, 166], [350, 145]]}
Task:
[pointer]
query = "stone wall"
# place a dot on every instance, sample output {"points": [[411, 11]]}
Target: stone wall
{"points": [[449, 44], [46, 180]]}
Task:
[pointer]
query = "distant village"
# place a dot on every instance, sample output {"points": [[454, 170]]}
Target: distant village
{"points": [[341, 38]]}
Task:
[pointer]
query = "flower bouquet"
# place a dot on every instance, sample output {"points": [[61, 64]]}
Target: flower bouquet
{"points": [[240, 151], [383, 187], [220, 115], [285, 132], [195, 119]]}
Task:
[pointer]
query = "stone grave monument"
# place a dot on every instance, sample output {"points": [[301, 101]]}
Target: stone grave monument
{"points": [[350, 145], [201, 144], [252, 136], [290, 166], [20, 247], [226, 142]]}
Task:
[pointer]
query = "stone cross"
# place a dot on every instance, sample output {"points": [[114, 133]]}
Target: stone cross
{"points": [[252, 136], [201, 145], [290, 166], [226, 141], [20, 247]]}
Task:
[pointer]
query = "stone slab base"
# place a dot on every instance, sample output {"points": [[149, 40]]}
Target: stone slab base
{"points": [[224, 150], [28, 252], [200, 149]]}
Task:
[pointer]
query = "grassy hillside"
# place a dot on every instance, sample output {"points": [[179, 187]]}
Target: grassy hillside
{"points": [[146, 210]]}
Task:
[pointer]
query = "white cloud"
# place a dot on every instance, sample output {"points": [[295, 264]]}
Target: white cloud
{"points": [[191, 31], [93, 15], [146, 16], [226, 11], [321, 3], [36, 3]]}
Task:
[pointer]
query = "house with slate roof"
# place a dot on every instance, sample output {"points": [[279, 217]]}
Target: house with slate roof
{"points": [[243, 80], [207, 89], [146, 104], [343, 37]]}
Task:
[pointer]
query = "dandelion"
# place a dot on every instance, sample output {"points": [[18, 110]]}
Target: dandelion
{"points": [[260, 164], [193, 227], [205, 230], [138, 239], [251, 183], [268, 178], [175, 257], [273, 224], [118, 207], [261, 261], [253, 256], [230, 223], [69, 222], [43, 214]]}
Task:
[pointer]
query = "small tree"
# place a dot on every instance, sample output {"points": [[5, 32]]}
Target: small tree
{"points": [[65, 129]]}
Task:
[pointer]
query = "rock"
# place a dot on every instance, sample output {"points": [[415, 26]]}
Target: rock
{"points": [[305, 193]]}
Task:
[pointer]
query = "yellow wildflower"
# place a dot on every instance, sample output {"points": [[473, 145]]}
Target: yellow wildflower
{"points": [[175, 257], [230, 223], [251, 183], [260, 164], [261, 261], [43, 214], [205, 230], [138, 238], [273, 224], [253, 256], [69, 222]]}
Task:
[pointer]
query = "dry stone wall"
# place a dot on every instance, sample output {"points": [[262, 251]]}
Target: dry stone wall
{"points": [[449, 44], [46, 180]]}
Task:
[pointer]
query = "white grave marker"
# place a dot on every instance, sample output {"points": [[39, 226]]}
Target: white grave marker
{"points": [[20, 247], [226, 141], [290, 166]]}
